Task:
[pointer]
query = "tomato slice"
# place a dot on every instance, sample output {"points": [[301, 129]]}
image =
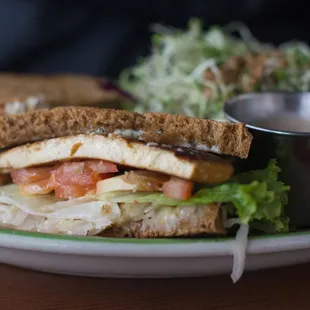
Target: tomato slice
{"points": [[83, 173], [73, 173], [38, 188], [30, 175], [70, 191], [101, 166], [75, 179], [69, 180], [178, 188]]}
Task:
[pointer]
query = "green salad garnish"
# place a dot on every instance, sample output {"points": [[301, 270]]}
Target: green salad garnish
{"points": [[193, 72]]}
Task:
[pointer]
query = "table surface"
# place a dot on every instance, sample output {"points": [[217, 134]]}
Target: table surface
{"points": [[283, 288]]}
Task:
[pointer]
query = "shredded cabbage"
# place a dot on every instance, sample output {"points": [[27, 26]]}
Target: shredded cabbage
{"points": [[173, 78], [239, 252], [238, 247], [45, 213]]}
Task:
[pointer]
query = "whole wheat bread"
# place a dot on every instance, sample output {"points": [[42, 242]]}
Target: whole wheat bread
{"points": [[205, 220], [57, 90], [229, 138]]}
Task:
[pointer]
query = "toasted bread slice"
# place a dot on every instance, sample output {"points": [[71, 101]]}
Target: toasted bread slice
{"points": [[204, 168], [167, 222], [55, 90], [163, 129]]}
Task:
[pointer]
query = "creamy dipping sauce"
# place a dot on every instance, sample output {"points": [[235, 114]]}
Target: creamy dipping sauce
{"points": [[285, 122]]}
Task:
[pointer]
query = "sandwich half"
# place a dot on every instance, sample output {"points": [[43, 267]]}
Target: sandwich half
{"points": [[90, 171], [25, 92]]}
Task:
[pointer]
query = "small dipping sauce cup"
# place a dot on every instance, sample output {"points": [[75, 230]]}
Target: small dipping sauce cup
{"points": [[280, 125]]}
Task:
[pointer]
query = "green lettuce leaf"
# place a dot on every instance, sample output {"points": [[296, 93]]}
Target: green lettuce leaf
{"points": [[255, 195]]}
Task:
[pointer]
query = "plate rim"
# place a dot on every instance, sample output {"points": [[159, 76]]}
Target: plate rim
{"points": [[98, 239], [149, 248]]}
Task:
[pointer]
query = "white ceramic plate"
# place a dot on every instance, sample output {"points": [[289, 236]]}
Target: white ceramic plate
{"points": [[140, 258]]}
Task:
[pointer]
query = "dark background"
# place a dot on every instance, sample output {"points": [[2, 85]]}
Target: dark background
{"points": [[102, 37]]}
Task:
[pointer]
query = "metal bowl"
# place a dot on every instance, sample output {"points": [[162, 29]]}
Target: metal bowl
{"points": [[280, 125]]}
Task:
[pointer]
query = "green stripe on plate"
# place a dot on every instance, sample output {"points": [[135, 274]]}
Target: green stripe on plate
{"points": [[11, 232]]}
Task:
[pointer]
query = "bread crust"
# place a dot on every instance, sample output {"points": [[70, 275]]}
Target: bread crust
{"points": [[230, 138], [207, 222], [165, 129]]}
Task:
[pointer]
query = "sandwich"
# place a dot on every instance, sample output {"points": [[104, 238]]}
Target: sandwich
{"points": [[24, 92], [114, 173], [89, 171]]}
